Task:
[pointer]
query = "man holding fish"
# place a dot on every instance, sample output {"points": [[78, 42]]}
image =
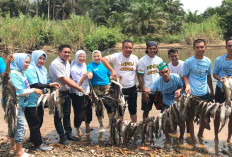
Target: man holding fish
{"points": [[171, 86], [125, 68], [60, 72], [147, 73], [196, 76], [222, 70]]}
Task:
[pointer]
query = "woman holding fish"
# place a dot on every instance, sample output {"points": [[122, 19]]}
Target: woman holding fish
{"points": [[38, 78], [99, 76], [19, 80], [81, 103], [222, 70]]}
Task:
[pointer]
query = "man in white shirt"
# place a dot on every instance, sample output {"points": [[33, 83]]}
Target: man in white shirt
{"points": [[125, 68], [147, 73], [60, 72], [176, 65]]}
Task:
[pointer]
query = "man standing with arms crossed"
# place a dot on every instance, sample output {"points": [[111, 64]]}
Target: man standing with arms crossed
{"points": [[125, 68], [196, 76], [60, 72], [147, 73]]}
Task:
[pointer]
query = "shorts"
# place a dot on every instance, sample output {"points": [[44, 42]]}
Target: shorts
{"points": [[219, 95], [131, 98], [101, 90], [164, 107], [147, 105], [205, 97], [155, 99]]}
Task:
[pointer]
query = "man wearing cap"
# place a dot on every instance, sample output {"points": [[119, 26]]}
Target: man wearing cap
{"points": [[125, 68], [147, 73], [171, 86]]}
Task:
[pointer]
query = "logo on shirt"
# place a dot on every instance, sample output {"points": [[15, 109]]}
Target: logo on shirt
{"points": [[125, 64], [149, 67], [152, 72], [126, 69]]}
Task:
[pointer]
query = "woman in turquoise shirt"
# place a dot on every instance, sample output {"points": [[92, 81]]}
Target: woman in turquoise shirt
{"points": [[19, 80], [38, 78]]}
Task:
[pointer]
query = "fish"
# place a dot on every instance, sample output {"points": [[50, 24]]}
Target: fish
{"points": [[214, 110], [186, 106], [9, 103], [160, 125], [176, 112], [230, 82], [226, 88], [126, 132], [40, 99], [222, 116], [150, 132], [113, 134]]}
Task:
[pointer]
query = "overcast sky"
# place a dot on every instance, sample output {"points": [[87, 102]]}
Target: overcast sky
{"points": [[200, 5]]}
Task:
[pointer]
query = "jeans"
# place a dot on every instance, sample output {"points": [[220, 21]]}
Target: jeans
{"points": [[20, 128], [65, 126]]}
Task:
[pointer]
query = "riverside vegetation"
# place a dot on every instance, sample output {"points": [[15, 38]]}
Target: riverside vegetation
{"points": [[99, 24]]}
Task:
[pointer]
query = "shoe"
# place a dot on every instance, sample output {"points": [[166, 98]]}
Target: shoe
{"points": [[44, 148], [72, 138], [102, 129], [64, 141]]}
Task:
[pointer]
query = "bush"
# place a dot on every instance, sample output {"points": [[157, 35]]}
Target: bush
{"points": [[23, 33], [103, 38], [208, 30]]}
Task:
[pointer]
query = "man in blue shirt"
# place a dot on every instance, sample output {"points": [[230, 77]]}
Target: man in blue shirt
{"points": [[222, 69], [171, 86], [196, 76]]}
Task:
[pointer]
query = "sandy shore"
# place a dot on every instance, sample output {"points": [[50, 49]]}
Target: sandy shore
{"points": [[95, 139]]}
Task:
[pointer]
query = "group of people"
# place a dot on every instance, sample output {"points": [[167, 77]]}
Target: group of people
{"points": [[159, 82]]}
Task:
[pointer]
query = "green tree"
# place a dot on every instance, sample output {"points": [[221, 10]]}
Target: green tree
{"points": [[143, 18]]}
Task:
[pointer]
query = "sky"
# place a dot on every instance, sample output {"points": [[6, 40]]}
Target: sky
{"points": [[200, 5]]}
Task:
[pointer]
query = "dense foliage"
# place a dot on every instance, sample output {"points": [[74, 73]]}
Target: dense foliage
{"points": [[99, 24]]}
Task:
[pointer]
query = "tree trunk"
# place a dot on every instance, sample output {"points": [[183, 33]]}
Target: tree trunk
{"points": [[48, 9]]}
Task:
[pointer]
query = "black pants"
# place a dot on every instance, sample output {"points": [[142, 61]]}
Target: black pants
{"points": [[82, 108], [66, 117], [34, 123]]}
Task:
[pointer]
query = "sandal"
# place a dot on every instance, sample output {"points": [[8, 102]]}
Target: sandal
{"points": [[27, 155]]}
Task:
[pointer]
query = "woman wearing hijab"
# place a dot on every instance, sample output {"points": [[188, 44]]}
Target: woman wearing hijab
{"points": [[19, 80], [99, 76], [38, 78], [81, 103]]}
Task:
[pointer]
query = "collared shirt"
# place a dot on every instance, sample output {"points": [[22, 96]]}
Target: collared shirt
{"points": [[59, 68]]}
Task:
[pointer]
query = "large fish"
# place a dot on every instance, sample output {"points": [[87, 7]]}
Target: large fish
{"points": [[227, 90], [222, 116], [9, 103]]}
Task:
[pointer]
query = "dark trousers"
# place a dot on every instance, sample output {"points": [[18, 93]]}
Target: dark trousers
{"points": [[66, 126], [82, 108], [40, 114], [34, 123]]}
